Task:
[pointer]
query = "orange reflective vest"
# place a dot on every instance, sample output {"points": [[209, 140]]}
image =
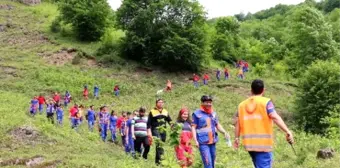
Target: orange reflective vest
{"points": [[256, 127]]}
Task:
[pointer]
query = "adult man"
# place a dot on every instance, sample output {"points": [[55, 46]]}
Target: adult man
{"points": [[158, 117], [204, 129], [254, 123], [139, 130]]}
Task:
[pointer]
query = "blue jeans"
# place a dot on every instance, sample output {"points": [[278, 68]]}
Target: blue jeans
{"points": [[218, 77], [60, 119], [205, 82], [240, 76], [195, 84], [226, 76], [262, 159], [130, 146], [41, 107], [208, 155], [113, 134], [91, 125], [117, 93], [96, 94], [104, 131]]}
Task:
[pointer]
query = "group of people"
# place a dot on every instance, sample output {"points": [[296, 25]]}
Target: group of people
{"points": [[253, 124], [241, 65]]}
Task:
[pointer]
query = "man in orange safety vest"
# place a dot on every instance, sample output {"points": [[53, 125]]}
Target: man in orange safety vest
{"points": [[254, 123]]}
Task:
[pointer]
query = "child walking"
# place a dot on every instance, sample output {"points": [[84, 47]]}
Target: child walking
{"points": [[60, 114], [184, 149], [129, 145], [50, 111], [91, 118], [113, 125], [104, 118]]}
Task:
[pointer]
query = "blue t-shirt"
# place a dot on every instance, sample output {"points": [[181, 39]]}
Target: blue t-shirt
{"points": [[113, 122], [129, 126], [60, 112], [91, 115]]}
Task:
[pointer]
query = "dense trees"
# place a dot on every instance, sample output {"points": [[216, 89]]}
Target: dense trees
{"points": [[88, 18], [167, 33]]}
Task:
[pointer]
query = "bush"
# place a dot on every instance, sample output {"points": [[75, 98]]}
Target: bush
{"points": [[333, 121], [56, 25], [88, 18], [317, 95]]}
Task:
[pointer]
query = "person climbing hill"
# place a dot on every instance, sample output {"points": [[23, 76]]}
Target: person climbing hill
{"points": [[140, 133], [158, 117], [42, 101], [205, 125], [218, 74], [168, 85], [67, 98], [195, 79], [113, 125], [86, 92], [226, 73], [116, 90], [34, 105], [206, 78], [184, 149], [254, 124]]}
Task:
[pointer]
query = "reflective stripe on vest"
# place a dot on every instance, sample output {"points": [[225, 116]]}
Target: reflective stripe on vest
{"points": [[205, 129], [256, 128]]}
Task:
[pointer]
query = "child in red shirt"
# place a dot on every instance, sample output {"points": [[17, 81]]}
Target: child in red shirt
{"points": [[184, 149]]}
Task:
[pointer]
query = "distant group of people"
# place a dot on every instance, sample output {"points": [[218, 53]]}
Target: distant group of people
{"points": [[253, 123], [242, 66]]}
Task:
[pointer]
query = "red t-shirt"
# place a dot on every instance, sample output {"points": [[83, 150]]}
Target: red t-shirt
{"points": [[119, 122], [206, 77], [41, 100], [56, 98], [196, 78], [73, 111]]}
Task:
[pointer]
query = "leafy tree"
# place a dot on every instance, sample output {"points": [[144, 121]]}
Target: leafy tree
{"points": [[329, 5], [167, 33], [311, 37], [317, 95], [225, 43], [88, 18], [279, 9], [334, 19]]}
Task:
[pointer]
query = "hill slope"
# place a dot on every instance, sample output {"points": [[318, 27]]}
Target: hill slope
{"points": [[35, 61]]}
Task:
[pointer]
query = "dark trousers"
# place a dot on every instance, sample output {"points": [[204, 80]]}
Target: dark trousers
{"points": [[159, 149], [50, 117], [138, 146]]}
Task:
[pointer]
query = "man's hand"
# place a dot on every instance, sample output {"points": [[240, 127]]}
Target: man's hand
{"points": [[289, 137], [236, 143], [134, 137]]}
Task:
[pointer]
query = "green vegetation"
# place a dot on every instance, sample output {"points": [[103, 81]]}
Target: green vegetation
{"points": [[317, 95], [87, 18], [36, 60]]}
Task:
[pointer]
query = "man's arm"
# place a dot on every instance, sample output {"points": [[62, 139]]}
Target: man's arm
{"points": [[236, 132], [281, 124], [221, 129], [148, 124], [193, 130]]}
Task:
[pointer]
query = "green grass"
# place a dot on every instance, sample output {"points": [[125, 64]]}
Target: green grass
{"points": [[84, 149]]}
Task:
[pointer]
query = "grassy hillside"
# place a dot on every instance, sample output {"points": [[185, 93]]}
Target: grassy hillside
{"points": [[33, 60]]}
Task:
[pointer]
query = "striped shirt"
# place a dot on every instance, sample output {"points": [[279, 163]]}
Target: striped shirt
{"points": [[140, 126]]}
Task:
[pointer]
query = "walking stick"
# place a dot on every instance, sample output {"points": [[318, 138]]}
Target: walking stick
{"points": [[291, 144]]}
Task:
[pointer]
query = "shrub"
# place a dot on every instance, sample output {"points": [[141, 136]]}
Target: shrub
{"points": [[317, 94], [88, 18]]}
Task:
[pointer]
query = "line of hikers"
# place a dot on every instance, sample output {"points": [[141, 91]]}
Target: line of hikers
{"points": [[253, 124], [242, 66]]}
